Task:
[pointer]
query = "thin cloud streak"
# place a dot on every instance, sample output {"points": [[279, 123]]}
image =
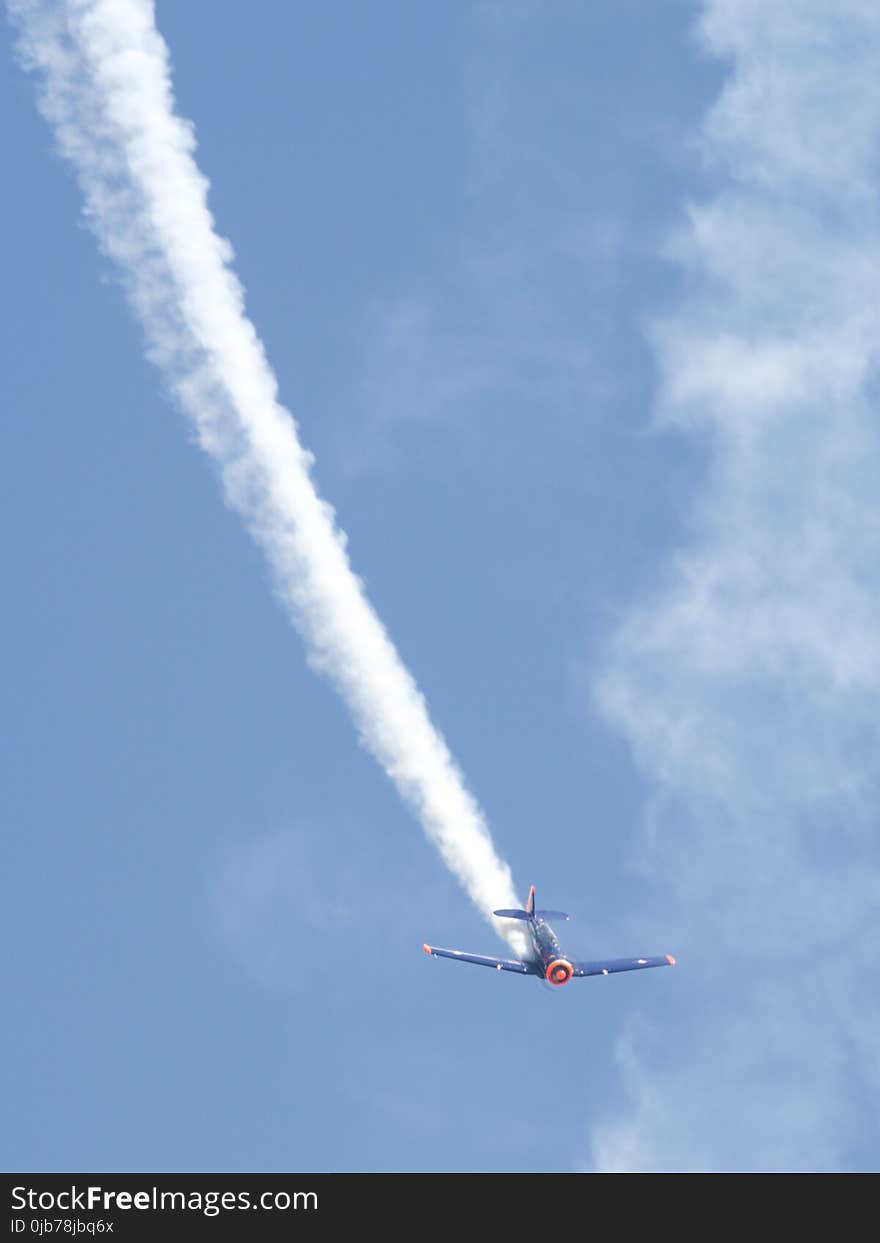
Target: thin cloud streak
{"points": [[105, 88], [746, 685]]}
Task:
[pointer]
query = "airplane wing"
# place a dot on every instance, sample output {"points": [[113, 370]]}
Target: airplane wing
{"points": [[500, 964], [612, 965]]}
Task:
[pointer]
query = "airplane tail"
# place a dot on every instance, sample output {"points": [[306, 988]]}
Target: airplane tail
{"points": [[528, 913]]}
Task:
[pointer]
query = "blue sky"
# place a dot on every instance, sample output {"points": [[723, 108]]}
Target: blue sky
{"points": [[573, 308]]}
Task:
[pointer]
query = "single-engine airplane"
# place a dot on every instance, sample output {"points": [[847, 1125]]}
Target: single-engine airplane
{"points": [[547, 959]]}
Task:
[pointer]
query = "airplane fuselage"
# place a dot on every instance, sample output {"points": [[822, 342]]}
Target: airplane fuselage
{"points": [[556, 968]]}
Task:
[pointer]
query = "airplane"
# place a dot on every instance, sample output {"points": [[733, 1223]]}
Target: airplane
{"points": [[547, 960]]}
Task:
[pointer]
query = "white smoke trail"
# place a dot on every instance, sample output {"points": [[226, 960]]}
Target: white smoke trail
{"points": [[105, 88]]}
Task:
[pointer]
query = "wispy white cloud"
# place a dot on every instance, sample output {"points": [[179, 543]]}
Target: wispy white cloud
{"points": [[105, 88], [261, 896], [746, 684], [516, 320]]}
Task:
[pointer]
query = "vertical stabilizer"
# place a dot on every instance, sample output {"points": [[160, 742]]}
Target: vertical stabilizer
{"points": [[530, 901]]}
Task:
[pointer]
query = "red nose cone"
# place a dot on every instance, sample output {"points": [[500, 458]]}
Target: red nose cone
{"points": [[559, 971]]}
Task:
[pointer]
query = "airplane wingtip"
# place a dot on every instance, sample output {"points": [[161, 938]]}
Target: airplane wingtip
{"points": [[427, 949], [670, 960]]}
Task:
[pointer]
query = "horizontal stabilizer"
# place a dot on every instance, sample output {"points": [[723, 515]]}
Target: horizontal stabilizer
{"points": [[513, 914], [552, 915]]}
